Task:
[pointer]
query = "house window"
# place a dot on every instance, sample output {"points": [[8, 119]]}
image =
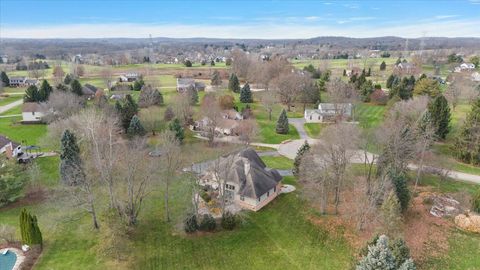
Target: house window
{"points": [[242, 198], [310, 117], [268, 193], [318, 117], [230, 187], [274, 189], [33, 113]]}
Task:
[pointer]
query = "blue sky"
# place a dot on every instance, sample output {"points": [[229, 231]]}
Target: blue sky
{"points": [[238, 19]]}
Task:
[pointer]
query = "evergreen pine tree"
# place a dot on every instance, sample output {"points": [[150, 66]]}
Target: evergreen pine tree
{"points": [[246, 94], [400, 251], [233, 83], [29, 230], [31, 94], [71, 168], [136, 128], [467, 144], [216, 80], [177, 128], [126, 110], [282, 123], [44, 91], [390, 80], [399, 181], [369, 72], [391, 214], [379, 257], [76, 88], [300, 153], [383, 66], [344, 73], [68, 79], [138, 84], [440, 116], [4, 79]]}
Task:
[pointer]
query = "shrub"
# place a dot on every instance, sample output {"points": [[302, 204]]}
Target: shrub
{"points": [[476, 201], [205, 196], [229, 221], [379, 97], [190, 224], [208, 223], [226, 102]]}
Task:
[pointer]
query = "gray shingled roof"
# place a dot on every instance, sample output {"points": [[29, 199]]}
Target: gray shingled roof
{"points": [[4, 141], [249, 172]]}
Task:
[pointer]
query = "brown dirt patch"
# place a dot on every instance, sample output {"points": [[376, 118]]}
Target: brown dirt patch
{"points": [[32, 197], [425, 234]]}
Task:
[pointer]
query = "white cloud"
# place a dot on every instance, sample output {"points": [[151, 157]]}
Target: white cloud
{"points": [[441, 17], [265, 30]]}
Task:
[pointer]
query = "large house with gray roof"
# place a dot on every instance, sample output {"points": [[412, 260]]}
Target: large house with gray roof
{"points": [[248, 183], [183, 84]]}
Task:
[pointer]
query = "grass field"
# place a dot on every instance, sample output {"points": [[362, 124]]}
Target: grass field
{"points": [[314, 129], [278, 162], [369, 115], [9, 99], [28, 134]]}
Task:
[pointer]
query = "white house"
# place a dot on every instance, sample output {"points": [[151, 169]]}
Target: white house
{"points": [[7, 146], [129, 77], [32, 112], [17, 81], [465, 67], [328, 112], [248, 184]]}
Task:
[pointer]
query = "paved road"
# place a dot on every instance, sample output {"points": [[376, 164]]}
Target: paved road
{"points": [[289, 149], [11, 105], [299, 123]]}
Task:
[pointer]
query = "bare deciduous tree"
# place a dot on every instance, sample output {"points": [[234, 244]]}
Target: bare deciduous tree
{"points": [[61, 105], [210, 109], [247, 129], [171, 161], [287, 88]]}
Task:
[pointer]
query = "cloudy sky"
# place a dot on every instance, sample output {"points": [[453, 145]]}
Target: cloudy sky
{"points": [[238, 19]]}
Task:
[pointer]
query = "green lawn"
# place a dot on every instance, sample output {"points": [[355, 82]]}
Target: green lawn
{"points": [[278, 162], [369, 115], [313, 129], [14, 110], [29, 134], [9, 99]]}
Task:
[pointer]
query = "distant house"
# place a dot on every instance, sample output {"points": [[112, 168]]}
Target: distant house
{"points": [[405, 67], [7, 146], [129, 77], [248, 183], [227, 125], [32, 112], [30, 82], [22, 81], [183, 84], [476, 77], [17, 81], [89, 90], [465, 67], [329, 112]]}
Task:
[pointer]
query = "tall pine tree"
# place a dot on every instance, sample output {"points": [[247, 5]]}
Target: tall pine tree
{"points": [[440, 116], [246, 94], [282, 123], [71, 167], [233, 83], [29, 230], [4, 79], [298, 159], [31, 94], [76, 88], [177, 128], [126, 110], [193, 95], [44, 91], [136, 128]]}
